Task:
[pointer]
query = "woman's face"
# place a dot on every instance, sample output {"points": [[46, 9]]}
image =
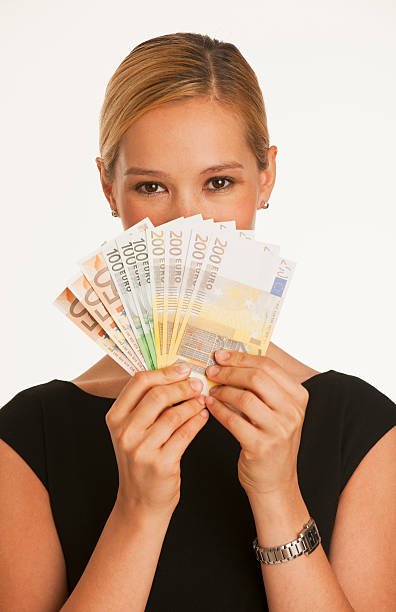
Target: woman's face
{"points": [[168, 167]]}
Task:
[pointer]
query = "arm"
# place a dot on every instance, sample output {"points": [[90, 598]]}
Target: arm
{"points": [[362, 569], [302, 584], [362, 563], [33, 575], [274, 405], [151, 425], [120, 572]]}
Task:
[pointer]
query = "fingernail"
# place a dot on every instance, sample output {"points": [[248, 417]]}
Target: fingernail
{"points": [[213, 370], [222, 355], [182, 368], [213, 390], [201, 399], [209, 400], [196, 384]]}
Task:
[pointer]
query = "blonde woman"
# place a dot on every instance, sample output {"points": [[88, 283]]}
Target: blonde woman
{"points": [[132, 494]]}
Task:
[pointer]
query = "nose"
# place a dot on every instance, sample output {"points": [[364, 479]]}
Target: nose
{"points": [[187, 207]]}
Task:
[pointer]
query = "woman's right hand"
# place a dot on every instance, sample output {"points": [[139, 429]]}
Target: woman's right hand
{"points": [[150, 434]]}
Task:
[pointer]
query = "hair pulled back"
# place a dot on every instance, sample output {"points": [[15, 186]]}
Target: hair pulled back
{"points": [[175, 66]]}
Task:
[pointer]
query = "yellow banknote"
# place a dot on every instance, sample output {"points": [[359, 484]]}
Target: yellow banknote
{"points": [[195, 257], [155, 238], [232, 305], [177, 237]]}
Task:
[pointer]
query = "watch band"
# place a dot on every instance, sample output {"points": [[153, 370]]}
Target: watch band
{"points": [[307, 540]]}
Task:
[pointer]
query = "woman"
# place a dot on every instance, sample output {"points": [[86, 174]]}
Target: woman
{"points": [[141, 493]]}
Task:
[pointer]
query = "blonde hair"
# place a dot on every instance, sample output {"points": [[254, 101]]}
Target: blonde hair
{"points": [[176, 66]]}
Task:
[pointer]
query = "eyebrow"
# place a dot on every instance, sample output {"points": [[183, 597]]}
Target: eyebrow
{"points": [[217, 168]]}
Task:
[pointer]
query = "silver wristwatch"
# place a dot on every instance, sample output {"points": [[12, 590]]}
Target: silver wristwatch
{"points": [[308, 539]]}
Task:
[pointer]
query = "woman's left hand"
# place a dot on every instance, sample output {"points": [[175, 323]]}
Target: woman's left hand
{"points": [[273, 405]]}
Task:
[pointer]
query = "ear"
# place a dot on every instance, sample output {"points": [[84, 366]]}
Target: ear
{"points": [[106, 186], [267, 176]]}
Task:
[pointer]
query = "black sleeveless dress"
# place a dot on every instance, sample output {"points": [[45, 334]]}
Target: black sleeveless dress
{"points": [[207, 560]]}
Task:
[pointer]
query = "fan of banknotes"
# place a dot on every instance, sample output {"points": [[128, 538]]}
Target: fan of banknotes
{"points": [[153, 296]]}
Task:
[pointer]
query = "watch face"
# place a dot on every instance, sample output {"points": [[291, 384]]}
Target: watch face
{"points": [[311, 537]]}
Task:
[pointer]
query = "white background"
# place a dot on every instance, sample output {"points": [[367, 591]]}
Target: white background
{"points": [[327, 75]]}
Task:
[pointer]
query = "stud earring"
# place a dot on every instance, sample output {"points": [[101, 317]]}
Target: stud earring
{"points": [[114, 213], [264, 204]]}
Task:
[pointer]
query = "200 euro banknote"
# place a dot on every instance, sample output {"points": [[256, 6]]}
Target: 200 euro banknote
{"points": [[233, 305]]}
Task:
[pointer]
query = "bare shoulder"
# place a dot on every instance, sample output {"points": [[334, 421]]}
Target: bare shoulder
{"points": [[33, 555], [362, 559]]}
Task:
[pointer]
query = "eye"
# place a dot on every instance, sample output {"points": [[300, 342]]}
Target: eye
{"points": [[221, 179], [147, 193]]}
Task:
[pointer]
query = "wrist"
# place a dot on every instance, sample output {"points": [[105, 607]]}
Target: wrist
{"points": [[139, 514], [272, 502], [305, 542], [279, 517]]}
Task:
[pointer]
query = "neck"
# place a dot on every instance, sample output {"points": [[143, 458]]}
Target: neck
{"points": [[107, 378]]}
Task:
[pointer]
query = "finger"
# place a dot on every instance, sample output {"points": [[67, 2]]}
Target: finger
{"points": [[174, 448], [258, 413], [139, 384], [171, 419], [254, 379], [262, 362], [160, 397], [243, 431]]}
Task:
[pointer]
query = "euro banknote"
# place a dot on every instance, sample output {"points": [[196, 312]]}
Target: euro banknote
{"points": [[176, 292], [232, 304], [88, 297], [96, 271], [70, 305]]}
